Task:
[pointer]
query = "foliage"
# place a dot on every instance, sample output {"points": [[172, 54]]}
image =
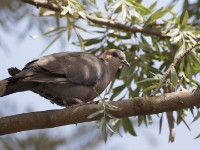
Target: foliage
{"points": [[149, 55], [42, 140]]}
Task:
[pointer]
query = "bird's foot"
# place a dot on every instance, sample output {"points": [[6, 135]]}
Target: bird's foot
{"points": [[71, 105], [78, 103], [93, 102]]}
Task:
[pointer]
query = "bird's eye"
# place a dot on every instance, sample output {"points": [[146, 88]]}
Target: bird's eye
{"points": [[115, 54]]}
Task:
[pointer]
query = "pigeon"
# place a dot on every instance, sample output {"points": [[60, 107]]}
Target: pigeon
{"points": [[66, 78]]}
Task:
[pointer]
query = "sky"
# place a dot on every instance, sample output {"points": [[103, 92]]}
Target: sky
{"points": [[148, 137]]}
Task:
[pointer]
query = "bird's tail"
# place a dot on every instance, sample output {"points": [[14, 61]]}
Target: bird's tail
{"points": [[5, 83], [13, 84], [3, 87]]}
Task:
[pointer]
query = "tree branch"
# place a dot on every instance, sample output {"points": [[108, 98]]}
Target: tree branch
{"points": [[132, 107], [43, 3], [174, 63], [101, 21]]}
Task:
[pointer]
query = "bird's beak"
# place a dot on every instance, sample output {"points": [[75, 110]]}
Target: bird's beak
{"points": [[125, 63]]}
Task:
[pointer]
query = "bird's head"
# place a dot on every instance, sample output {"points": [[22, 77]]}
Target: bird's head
{"points": [[115, 57]]}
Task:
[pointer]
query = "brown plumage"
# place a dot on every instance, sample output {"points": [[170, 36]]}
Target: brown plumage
{"points": [[65, 78]]}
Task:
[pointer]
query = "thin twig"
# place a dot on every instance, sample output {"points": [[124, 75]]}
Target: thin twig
{"points": [[44, 4], [101, 21], [174, 63]]}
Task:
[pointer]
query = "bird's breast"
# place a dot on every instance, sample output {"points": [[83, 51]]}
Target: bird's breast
{"points": [[102, 84]]}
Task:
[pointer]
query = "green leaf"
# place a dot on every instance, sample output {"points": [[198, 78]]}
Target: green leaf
{"points": [[158, 14], [179, 51], [128, 126], [82, 14], [149, 119], [65, 10], [116, 4], [51, 43], [110, 128], [196, 117], [92, 3], [117, 91], [50, 32], [176, 39], [173, 32], [150, 88], [95, 114], [124, 11], [80, 40], [112, 107], [153, 5], [142, 119], [178, 20], [82, 29], [94, 41], [170, 119], [185, 18], [138, 6], [154, 16], [160, 123], [174, 78], [110, 116], [116, 124], [69, 28], [198, 136], [104, 131], [186, 124], [148, 79]]}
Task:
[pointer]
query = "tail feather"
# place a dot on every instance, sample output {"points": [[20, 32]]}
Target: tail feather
{"points": [[7, 87], [4, 83], [14, 83], [13, 71], [3, 87]]}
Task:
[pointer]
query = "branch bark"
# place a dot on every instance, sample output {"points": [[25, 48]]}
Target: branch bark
{"points": [[132, 107], [101, 21]]}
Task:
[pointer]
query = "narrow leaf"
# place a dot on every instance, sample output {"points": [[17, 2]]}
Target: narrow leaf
{"points": [[110, 128], [80, 40], [198, 136], [148, 79], [174, 78], [185, 18], [95, 114], [170, 119], [50, 44], [112, 107], [160, 123], [149, 88], [153, 5], [104, 132], [128, 126]]}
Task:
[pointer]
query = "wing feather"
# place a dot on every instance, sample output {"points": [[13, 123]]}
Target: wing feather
{"points": [[75, 67]]}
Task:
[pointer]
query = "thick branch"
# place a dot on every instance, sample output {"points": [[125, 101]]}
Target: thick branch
{"points": [[174, 63], [101, 21], [133, 107]]}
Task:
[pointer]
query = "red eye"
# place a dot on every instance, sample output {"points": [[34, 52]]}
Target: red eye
{"points": [[115, 54]]}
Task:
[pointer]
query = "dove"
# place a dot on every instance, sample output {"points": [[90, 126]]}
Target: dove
{"points": [[66, 78]]}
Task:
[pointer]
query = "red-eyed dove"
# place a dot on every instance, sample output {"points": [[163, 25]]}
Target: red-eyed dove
{"points": [[65, 78]]}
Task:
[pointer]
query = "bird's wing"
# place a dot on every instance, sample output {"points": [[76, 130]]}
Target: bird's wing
{"points": [[78, 68]]}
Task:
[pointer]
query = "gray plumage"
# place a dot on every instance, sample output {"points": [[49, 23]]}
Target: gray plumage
{"points": [[65, 78]]}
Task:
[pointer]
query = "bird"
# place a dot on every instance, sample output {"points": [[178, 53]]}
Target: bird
{"points": [[66, 78]]}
